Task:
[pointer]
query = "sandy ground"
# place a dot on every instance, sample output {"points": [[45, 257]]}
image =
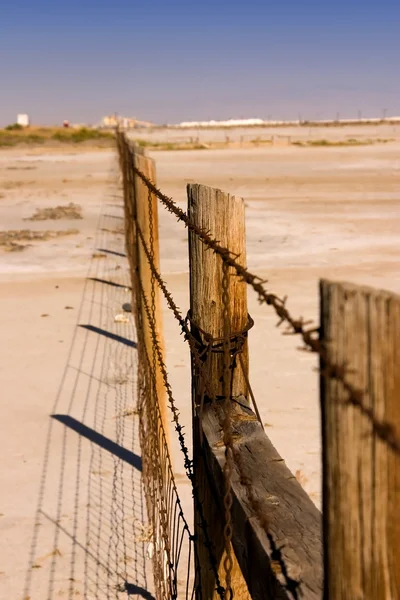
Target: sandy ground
{"points": [[72, 511], [330, 212]]}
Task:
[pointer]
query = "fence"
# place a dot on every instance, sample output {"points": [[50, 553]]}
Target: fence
{"points": [[256, 534]]}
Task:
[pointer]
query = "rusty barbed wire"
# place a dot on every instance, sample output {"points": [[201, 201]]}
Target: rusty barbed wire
{"points": [[188, 463], [295, 326], [156, 416], [199, 352], [227, 379], [169, 529], [201, 357], [299, 327]]}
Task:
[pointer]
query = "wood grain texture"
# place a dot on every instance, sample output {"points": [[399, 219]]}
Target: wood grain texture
{"points": [[361, 483], [294, 521], [223, 216]]}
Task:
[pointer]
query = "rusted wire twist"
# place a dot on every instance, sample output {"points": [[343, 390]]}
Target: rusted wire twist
{"points": [[227, 433]]}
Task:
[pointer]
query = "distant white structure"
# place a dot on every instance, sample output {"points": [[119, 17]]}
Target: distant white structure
{"points": [[23, 120], [123, 122], [110, 121], [270, 123], [228, 123]]}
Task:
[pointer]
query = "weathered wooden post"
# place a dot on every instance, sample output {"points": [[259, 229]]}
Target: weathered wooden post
{"points": [[361, 482], [141, 215], [223, 216], [145, 217], [129, 206]]}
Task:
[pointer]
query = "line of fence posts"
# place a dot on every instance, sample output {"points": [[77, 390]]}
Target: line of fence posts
{"points": [[145, 216], [361, 472]]}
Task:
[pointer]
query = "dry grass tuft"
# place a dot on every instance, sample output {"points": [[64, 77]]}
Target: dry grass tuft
{"points": [[10, 239], [18, 168], [172, 145], [70, 211], [12, 185], [10, 137], [340, 143]]}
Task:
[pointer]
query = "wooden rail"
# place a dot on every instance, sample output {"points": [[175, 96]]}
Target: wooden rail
{"points": [[294, 522]]}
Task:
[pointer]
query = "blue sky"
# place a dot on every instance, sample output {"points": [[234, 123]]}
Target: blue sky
{"points": [[167, 61]]}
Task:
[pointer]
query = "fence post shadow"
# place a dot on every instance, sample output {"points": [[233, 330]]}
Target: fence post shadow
{"points": [[95, 437]]}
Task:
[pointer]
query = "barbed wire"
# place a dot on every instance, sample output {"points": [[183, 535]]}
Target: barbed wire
{"points": [[295, 326], [188, 463], [201, 357], [201, 353], [153, 434], [158, 478]]}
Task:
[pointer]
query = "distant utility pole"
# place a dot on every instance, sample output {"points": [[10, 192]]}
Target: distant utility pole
{"points": [[384, 113], [359, 115], [338, 116]]}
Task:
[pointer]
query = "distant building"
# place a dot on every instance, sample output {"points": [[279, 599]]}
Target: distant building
{"points": [[229, 123], [270, 123], [110, 121], [123, 122], [23, 120]]}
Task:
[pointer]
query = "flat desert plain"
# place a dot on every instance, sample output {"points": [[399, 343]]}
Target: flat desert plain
{"points": [[71, 510]]}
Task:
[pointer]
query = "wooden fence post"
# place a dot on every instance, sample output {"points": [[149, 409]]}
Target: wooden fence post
{"points": [[361, 482], [223, 216], [146, 215], [129, 207]]}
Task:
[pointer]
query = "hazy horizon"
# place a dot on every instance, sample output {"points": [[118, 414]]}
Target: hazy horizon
{"points": [[212, 60]]}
